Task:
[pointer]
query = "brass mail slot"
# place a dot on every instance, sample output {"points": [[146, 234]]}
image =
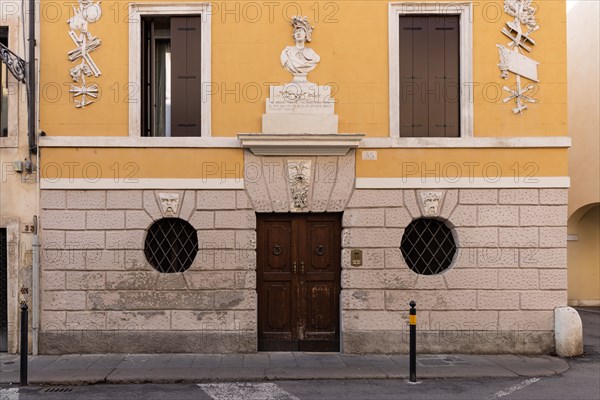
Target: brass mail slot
{"points": [[356, 258]]}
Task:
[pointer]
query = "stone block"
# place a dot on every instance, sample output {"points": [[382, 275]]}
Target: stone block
{"points": [[64, 301], [63, 219], [299, 123], [187, 205], [239, 219], [400, 279], [53, 280], [518, 196], [360, 320], [363, 198], [85, 280], [137, 219], [53, 240], [364, 217], [124, 199], [543, 258], [211, 239], [471, 278], [497, 300], [84, 239], [464, 216], [362, 279], [498, 216], [235, 300], [150, 204], [208, 280], [53, 320], [86, 320], [568, 332], [478, 196], [245, 279], [498, 257], [363, 300], [431, 299], [394, 259], [131, 280], [133, 300], [397, 218], [245, 240], [553, 279], [464, 321], [105, 260], [105, 220], [228, 259], [518, 279], [372, 259], [372, 237], [53, 199], [450, 203], [554, 196], [203, 320], [525, 321], [553, 237], [86, 199], [519, 237], [203, 220], [477, 237], [171, 282], [543, 300], [125, 239], [465, 258], [543, 215], [430, 282], [344, 183], [216, 200], [243, 201], [325, 177], [411, 203], [65, 259], [138, 320]]}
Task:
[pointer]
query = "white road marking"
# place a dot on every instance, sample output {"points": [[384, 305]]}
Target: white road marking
{"points": [[513, 388], [9, 394], [246, 391]]}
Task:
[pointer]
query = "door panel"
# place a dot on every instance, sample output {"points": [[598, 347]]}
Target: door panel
{"points": [[299, 281], [3, 291]]}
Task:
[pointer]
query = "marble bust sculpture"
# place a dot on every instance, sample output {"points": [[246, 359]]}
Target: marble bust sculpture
{"points": [[299, 60]]}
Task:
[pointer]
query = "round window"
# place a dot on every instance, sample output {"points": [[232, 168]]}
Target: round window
{"points": [[171, 245], [428, 246]]}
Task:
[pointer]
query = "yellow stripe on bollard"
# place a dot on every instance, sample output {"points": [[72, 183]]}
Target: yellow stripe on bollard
{"points": [[412, 319]]}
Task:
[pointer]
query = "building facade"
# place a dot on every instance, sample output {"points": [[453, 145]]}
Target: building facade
{"points": [[239, 177]]}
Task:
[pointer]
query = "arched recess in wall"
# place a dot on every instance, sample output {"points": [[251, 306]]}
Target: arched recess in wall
{"points": [[583, 254]]}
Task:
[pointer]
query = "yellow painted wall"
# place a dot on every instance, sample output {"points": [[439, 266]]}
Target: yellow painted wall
{"points": [[584, 261], [350, 36]]}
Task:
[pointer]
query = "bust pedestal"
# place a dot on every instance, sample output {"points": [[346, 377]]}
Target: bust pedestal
{"points": [[300, 107]]}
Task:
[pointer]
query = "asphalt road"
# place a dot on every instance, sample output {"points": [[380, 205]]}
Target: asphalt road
{"points": [[581, 382]]}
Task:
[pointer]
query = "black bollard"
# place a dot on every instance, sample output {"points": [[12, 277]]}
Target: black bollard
{"points": [[412, 320], [24, 343]]}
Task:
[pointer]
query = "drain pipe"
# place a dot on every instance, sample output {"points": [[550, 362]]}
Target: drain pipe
{"points": [[31, 81], [35, 296]]}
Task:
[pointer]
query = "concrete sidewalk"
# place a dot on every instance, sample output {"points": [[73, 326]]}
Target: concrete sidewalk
{"points": [[194, 368]]}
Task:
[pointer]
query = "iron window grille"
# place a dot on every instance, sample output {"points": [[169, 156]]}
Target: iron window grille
{"points": [[171, 245], [428, 246]]}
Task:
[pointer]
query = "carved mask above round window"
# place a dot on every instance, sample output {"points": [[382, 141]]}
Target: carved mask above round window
{"points": [[428, 246], [171, 245]]}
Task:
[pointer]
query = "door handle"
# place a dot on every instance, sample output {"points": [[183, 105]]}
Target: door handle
{"points": [[302, 267], [294, 266]]}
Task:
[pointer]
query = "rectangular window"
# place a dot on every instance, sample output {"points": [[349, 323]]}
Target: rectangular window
{"points": [[3, 88], [431, 71], [171, 76], [429, 76]]}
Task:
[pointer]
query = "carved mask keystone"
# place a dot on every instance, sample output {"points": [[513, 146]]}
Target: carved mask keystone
{"points": [[169, 203], [299, 181], [430, 203]]}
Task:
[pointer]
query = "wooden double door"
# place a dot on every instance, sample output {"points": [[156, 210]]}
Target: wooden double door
{"points": [[298, 273]]}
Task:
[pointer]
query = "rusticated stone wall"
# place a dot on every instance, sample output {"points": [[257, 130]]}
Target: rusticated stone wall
{"points": [[498, 296], [99, 294]]}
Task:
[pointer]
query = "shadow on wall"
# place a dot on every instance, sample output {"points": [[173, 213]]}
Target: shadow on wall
{"points": [[583, 252]]}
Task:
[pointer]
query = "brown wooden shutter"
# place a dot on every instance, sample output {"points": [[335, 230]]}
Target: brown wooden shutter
{"points": [[407, 84], [429, 58], [452, 72], [185, 76]]}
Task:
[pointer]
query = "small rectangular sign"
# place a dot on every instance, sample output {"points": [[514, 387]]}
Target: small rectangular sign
{"points": [[356, 258]]}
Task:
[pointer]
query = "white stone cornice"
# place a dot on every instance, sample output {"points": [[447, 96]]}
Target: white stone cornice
{"points": [[132, 141], [294, 145], [466, 142]]}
